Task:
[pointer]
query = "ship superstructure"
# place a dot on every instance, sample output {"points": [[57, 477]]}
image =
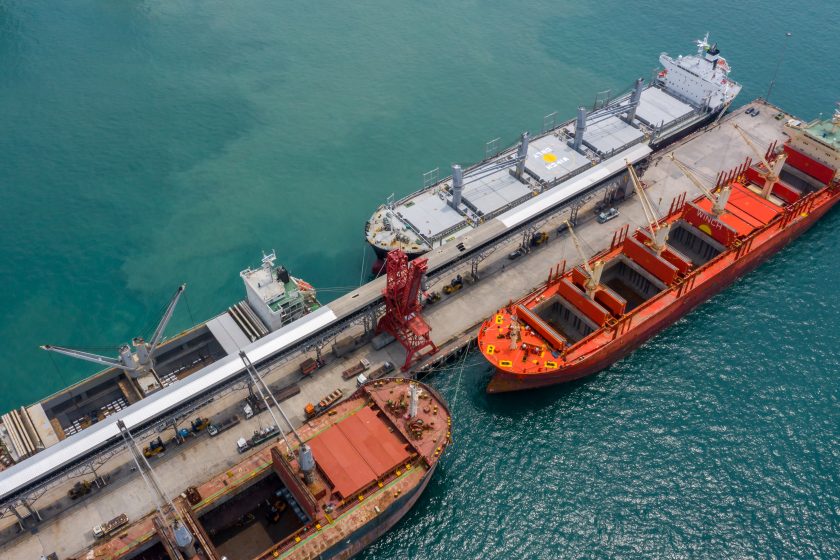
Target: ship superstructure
{"points": [[689, 92], [584, 319], [276, 296]]}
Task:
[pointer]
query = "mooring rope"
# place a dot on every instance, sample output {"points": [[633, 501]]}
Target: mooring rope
{"points": [[460, 373]]}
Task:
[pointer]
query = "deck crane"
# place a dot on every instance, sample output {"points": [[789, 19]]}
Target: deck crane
{"points": [[461, 178], [173, 531], [305, 458], [718, 200], [137, 363], [770, 172], [593, 272], [659, 232]]}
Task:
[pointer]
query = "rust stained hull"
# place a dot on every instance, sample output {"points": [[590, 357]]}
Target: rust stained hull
{"points": [[505, 381], [367, 535]]}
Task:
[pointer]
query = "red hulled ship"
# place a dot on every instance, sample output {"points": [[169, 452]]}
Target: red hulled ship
{"points": [[584, 319]]}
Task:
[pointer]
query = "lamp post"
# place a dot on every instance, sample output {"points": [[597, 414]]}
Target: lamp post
{"points": [[778, 65]]}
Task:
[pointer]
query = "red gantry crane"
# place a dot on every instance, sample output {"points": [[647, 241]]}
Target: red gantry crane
{"points": [[402, 318]]}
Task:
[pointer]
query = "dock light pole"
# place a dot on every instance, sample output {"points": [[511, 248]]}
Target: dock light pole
{"points": [[778, 65]]}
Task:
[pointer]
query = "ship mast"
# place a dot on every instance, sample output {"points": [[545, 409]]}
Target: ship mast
{"points": [[771, 175], [658, 232], [718, 200], [594, 271]]}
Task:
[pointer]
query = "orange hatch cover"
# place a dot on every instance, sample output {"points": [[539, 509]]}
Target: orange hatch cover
{"points": [[357, 452]]}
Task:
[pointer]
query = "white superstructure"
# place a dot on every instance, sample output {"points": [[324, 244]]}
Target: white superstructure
{"points": [[688, 92], [701, 79]]}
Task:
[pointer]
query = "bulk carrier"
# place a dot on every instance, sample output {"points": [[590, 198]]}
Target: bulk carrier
{"points": [[275, 298], [333, 487], [584, 319], [687, 93]]}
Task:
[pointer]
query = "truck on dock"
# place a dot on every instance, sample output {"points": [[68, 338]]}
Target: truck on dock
{"points": [[381, 371], [351, 372], [260, 436], [216, 428], [309, 365], [106, 529], [313, 410]]}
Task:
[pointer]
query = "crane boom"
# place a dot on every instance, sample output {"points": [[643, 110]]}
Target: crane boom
{"points": [[718, 200], [579, 248], [593, 272], [659, 232], [771, 175], [647, 207], [170, 309], [89, 357], [752, 146]]}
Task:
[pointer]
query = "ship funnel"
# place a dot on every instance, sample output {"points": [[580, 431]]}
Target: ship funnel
{"points": [[522, 154], [580, 128], [283, 275], [457, 185], [306, 461], [413, 400], [635, 99]]}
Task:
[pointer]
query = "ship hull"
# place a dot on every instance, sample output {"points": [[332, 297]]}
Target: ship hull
{"points": [[367, 535], [505, 381], [383, 253], [655, 145]]}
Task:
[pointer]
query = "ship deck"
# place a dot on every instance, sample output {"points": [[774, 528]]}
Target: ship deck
{"points": [[426, 219]]}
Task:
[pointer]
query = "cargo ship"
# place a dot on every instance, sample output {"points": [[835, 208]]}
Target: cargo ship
{"points": [[327, 490], [687, 93], [584, 319], [275, 299]]}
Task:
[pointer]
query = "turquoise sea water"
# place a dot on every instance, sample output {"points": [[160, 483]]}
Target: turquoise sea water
{"points": [[148, 143]]}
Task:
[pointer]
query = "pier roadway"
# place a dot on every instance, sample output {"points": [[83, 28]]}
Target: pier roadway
{"points": [[67, 530]]}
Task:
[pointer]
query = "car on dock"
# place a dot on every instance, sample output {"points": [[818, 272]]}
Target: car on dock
{"points": [[607, 215]]}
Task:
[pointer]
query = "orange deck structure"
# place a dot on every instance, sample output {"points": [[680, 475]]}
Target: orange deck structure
{"points": [[562, 331], [373, 461]]}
